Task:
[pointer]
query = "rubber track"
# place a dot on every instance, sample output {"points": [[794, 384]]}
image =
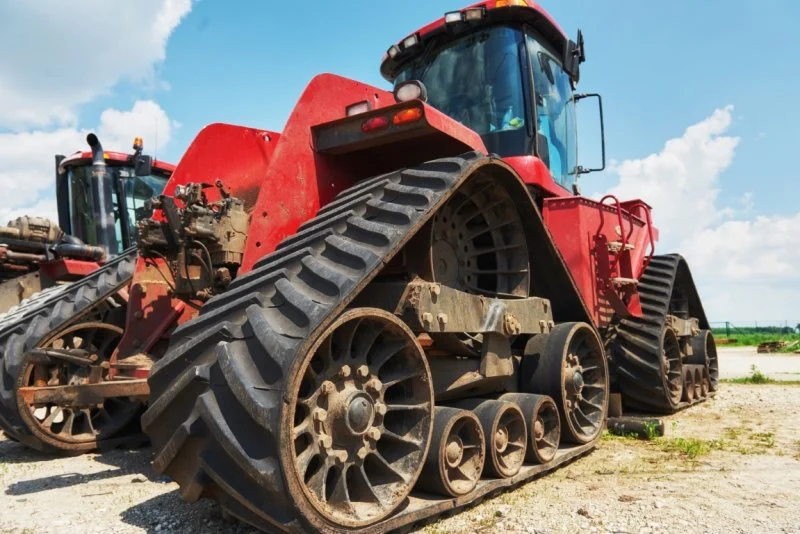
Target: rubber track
{"points": [[26, 325], [636, 352], [217, 395]]}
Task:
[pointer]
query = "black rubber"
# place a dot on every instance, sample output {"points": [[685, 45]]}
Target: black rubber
{"points": [[219, 397], [636, 364], [35, 319]]}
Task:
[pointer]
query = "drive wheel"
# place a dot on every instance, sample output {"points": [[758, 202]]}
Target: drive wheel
{"points": [[569, 365], [361, 408]]}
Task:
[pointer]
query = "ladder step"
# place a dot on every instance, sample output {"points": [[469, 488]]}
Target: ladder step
{"points": [[620, 281], [615, 247]]}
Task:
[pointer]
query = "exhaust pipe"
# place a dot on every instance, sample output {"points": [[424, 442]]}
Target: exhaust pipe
{"points": [[102, 199]]}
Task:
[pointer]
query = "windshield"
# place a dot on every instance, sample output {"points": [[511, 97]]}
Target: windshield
{"points": [[477, 80], [137, 189]]}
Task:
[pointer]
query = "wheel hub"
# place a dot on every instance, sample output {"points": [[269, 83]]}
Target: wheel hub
{"points": [[454, 451], [501, 439], [360, 414], [538, 429]]}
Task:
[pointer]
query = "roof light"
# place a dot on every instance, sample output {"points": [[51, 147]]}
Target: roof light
{"points": [[452, 17], [410, 41], [393, 51], [407, 115], [357, 108], [410, 90], [374, 124], [137, 143], [475, 13], [508, 3]]}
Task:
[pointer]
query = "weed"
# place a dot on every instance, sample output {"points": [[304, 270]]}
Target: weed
{"points": [[690, 447], [651, 429]]}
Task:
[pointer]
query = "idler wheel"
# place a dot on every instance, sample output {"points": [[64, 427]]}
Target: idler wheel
{"points": [[543, 422], [457, 453], [505, 435], [569, 365], [688, 386]]}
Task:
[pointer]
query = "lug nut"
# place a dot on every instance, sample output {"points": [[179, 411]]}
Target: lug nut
{"points": [[340, 457], [327, 387], [442, 318], [362, 453], [380, 408], [373, 433], [345, 371], [435, 289], [374, 386], [325, 441], [319, 415], [427, 317], [362, 371]]}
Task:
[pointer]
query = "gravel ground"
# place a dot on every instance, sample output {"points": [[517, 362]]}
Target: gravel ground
{"points": [[744, 477]]}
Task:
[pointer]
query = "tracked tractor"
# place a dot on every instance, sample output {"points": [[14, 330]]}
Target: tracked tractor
{"points": [[100, 195], [394, 307]]}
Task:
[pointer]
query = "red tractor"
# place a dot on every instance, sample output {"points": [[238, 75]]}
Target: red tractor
{"points": [[100, 195], [394, 307]]}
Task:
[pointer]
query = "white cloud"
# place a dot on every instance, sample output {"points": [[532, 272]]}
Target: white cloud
{"points": [[27, 165], [746, 266], [59, 55], [680, 181]]}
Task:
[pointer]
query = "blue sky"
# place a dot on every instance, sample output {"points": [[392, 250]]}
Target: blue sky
{"points": [[661, 67]]}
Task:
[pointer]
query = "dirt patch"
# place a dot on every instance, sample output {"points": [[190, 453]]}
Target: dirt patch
{"points": [[729, 465]]}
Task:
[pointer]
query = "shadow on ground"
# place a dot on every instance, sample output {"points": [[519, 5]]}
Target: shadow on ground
{"points": [[122, 462], [169, 513]]}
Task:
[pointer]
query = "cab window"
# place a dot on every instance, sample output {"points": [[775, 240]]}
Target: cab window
{"points": [[555, 113]]}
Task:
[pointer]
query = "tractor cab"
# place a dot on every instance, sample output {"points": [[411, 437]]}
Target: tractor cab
{"points": [[120, 192], [505, 70]]}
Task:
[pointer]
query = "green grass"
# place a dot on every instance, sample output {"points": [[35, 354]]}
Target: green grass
{"points": [[690, 448], [757, 377]]}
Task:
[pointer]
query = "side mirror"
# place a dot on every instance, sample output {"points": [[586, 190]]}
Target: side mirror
{"points": [[574, 55], [143, 166], [581, 96]]}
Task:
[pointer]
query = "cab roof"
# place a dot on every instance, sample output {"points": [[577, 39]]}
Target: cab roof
{"points": [[494, 12]]}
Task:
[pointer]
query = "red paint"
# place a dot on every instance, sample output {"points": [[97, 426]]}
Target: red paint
{"points": [[65, 269], [581, 227], [535, 173]]}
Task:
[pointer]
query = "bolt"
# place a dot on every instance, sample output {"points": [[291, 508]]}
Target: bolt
{"points": [[138, 314], [344, 372], [442, 317], [362, 371], [374, 386], [340, 457], [362, 453], [380, 408], [374, 433], [435, 290], [319, 415], [427, 317], [325, 441], [327, 387]]}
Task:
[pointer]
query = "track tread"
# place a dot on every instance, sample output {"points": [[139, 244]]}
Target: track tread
{"points": [[636, 352]]}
